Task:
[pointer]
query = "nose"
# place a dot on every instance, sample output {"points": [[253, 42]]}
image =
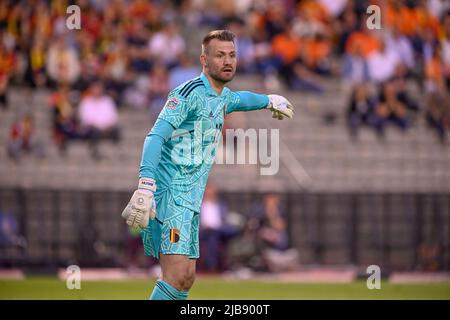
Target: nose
{"points": [[227, 61]]}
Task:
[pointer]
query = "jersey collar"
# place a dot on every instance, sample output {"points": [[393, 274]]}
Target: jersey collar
{"points": [[210, 91]]}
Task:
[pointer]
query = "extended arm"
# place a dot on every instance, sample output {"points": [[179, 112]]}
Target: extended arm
{"points": [[151, 153], [142, 206], [248, 101]]}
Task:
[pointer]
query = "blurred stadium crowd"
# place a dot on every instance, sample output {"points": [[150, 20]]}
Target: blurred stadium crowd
{"points": [[131, 53]]}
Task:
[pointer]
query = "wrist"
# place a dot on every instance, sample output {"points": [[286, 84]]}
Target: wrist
{"points": [[147, 184], [269, 102]]}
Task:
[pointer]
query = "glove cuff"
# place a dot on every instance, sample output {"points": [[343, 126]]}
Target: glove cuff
{"points": [[147, 184], [270, 104]]}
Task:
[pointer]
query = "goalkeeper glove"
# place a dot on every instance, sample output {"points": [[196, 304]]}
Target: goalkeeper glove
{"points": [[280, 107], [142, 206]]}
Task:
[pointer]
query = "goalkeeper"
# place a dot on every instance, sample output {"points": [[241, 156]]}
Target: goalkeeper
{"points": [[167, 202]]}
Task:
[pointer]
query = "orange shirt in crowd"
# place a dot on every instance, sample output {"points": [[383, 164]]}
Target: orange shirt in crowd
{"points": [[140, 9], [314, 9], [315, 50], [409, 21], [288, 48], [366, 42], [388, 15], [7, 63], [58, 7], [434, 70]]}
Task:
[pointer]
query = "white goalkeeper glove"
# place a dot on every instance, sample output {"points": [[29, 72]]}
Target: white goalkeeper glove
{"points": [[142, 206], [280, 107]]}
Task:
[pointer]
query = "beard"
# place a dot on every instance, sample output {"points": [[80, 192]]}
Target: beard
{"points": [[222, 76]]}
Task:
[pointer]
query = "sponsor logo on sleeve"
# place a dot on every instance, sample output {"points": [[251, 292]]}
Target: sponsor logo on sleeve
{"points": [[172, 103]]}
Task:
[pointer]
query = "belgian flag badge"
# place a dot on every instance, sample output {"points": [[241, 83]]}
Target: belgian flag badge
{"points": [[174, 235]]}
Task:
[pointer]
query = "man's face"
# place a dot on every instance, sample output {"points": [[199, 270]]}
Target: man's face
{"points": [[220, 60]]}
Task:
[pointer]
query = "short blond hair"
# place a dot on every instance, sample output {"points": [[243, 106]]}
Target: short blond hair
{"points": [[222, 35]]}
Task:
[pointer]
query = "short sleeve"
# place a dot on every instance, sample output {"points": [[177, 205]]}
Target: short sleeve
{"points": [[175, 110]]}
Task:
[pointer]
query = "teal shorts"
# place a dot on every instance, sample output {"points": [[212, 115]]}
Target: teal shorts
{"points": [[173, 231]]}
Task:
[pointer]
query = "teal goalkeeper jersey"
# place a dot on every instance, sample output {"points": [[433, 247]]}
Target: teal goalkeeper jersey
{"points": [[188, 131]]}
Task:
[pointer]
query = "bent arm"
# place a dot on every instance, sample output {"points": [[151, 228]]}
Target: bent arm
{"points": [[247, 101], [151, 153]]}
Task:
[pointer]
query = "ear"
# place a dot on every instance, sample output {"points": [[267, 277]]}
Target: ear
{"points": [[203, 60]]}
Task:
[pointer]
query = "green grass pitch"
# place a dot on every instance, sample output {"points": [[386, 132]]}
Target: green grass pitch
{"points": [[218, 288]]}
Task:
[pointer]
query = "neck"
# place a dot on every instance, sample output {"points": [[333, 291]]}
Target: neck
{"points": [[216, 85]]}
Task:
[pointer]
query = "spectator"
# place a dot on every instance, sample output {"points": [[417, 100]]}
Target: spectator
{"points": [[435, 73], [306, 25], [292, 41], [137, 39], [90, 61], [266, 63], [7, 66], [264, 243], [429, 256], [428, 43], [355, 68], [185, 71], [22, 139], [286, 46], [36, 75], [363, 40], [333, 7], [275, 19], [115, 70], [402, 47], [159, 88], [215, 232], [361, 107], [301, 78], [399, 80], [63, 65], [167, 45], [316, 54], [437, 97], [98, 117], [272, 240], [445, 45], [136, 94], [10, 236], [382, 64], [346, 24], [272, 231], [134, 259], [438, 114], [389, 109], [65, 126]]}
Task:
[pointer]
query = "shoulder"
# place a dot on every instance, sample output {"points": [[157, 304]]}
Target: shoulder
{"points": [[233, 97], [185, 90]]}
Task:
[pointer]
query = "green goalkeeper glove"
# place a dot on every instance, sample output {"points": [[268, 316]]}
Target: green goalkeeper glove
{"points": [[281, 108], [142, 206]]}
